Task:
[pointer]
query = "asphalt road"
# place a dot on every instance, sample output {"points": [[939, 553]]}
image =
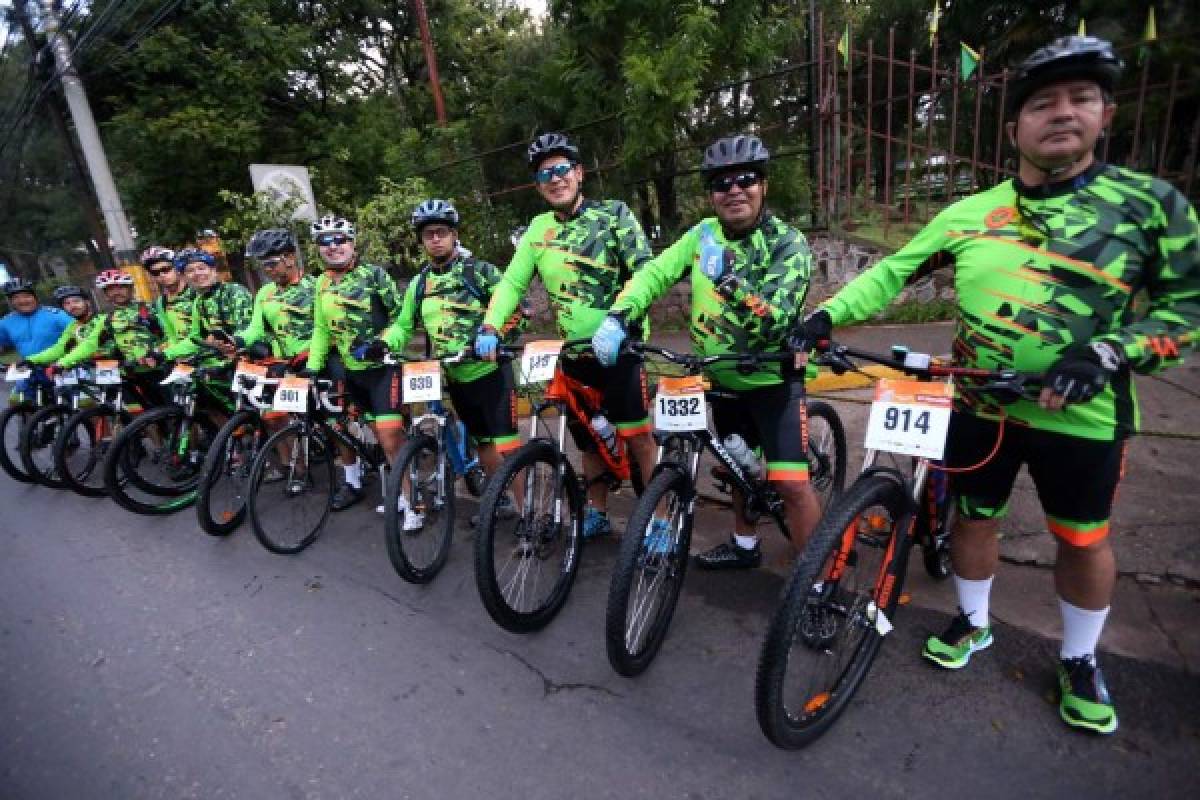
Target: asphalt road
{"points": [[140, 658]]}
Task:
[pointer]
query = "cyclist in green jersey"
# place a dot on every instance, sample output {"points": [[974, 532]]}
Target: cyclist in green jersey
{"points": [[583, 251], [448, 298], [353, 304], [1046, 269], [129, 333], [173, 306], [283, 309], [749, 274], [220, 309], [84, 320]]}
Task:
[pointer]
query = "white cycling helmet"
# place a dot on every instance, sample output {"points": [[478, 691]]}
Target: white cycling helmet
{"points": [[331, 224], [113, 277]]}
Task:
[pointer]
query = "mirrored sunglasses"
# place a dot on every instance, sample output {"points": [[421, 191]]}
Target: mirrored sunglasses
{"points": [[547, 174], [744, 180]]}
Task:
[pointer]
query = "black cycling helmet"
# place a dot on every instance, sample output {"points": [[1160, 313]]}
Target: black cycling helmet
{"points": [[551, 144], [18, 285], [434, 211], [270, 242], [732, 152], [63, 292], [1066, 58]]}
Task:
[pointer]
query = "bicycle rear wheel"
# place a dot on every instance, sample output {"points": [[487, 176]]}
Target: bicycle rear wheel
{"points": [[37, 445], [826, 452], [419, 555], [648, 573], [525, 562], [289, 514], [12, 423], [82, 444], [835, 611], [153, 467], [225, 479]]}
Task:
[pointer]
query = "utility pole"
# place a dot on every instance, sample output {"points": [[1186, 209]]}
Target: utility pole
{"points": [[54, 112], [89, 139], [439, 105]]}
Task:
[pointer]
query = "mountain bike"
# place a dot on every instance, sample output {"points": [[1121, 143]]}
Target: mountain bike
{"points": [[292, 478], [648, 573], [73, 389], [225, 476], [843, 593], [526, 562], [87, 435], [22, 405], [154, 466]]}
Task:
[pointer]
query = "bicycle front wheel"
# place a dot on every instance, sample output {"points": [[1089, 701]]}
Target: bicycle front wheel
{"points": [[649, 570], [12, 424], [225, 479], [526, 557], [835, 611], [423, 477], [82, 444], [153, 466], [37, 445], [826, 452], [291, 489]]}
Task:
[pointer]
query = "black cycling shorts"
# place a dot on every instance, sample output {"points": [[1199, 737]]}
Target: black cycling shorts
{"points": [[1076, 479], [488, 407], [626, 397], [774, 418], [379, 392]]}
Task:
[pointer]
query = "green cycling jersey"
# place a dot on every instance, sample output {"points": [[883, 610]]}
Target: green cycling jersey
{"points": [[350, 309], [282, 317], [450, 313], [583, 262], [72, 337], [175, 314], [124, 333], [1038, 271], [747, 292], [225, 308]]}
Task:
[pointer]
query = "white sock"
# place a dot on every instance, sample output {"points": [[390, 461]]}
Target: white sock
{"points": [[973, 599], [745, 542], [353, 474], [1081, 630]]}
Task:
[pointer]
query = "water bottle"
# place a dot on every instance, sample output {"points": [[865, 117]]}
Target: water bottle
{"points": [[741, 453], [606, 432]]}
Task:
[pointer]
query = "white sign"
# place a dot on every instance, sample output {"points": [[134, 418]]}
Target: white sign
{"points": [[181, 374], [283, 181], [679, 404], [108, 373], [422, 382], [292, 395], [539, 359], [910, 418], [15, 374]]}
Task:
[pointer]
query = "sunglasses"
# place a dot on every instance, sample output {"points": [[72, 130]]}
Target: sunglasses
{"points": [[160, 270], [272, 263], [330, 239], [744, 180], [547, 174]]}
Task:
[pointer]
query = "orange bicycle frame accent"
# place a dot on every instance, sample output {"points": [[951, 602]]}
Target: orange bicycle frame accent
{"points": [[578, 398]]}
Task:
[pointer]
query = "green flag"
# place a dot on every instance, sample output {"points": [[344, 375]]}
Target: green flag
{"points": [[1149, 35], [968, 61]]}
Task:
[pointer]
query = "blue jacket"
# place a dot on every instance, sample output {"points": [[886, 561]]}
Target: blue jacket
{"points": [[32, 333]]}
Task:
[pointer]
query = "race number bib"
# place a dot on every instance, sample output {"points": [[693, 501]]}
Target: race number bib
{"points": [[108, 373], [15, 374], [910, 418], [256, 375], [182, 373], [422, 382], [539, 359], [70, 378], [291, 396], [679, 404]]}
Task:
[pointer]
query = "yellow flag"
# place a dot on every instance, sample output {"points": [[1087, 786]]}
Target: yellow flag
{"points": [[1082, 27], [1150, 34], [843, 46], [933, 23]]}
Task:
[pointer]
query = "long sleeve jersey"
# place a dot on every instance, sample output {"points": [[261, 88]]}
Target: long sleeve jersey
{"points": [[71, 340], [349, 310], [31, 333], [122, 333], [747, 293], [224, 307], [282, 317], [1038, 271]]}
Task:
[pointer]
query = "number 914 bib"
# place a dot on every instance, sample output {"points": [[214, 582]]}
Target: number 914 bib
{"points": [[910, 417]]}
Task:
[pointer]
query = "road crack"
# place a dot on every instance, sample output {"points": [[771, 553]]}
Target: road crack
{"points": [[550, 686]]}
